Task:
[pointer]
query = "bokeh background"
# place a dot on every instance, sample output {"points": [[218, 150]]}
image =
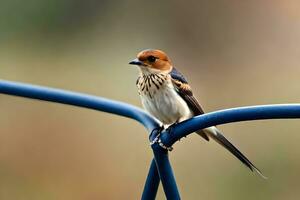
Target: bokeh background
{"points": [[234, 53]]}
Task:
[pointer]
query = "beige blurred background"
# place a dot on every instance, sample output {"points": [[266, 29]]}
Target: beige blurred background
{"points": [[234, 53]]}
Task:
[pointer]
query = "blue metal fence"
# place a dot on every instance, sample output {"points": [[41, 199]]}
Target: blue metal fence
{"points": [[160, 168]]}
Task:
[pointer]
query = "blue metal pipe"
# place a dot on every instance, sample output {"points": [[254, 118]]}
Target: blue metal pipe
{"points": [[178, 131], [91, 102], [283, 111], [263, 112], [164, 168], [152, 183], [78, 99], [165, 172]]}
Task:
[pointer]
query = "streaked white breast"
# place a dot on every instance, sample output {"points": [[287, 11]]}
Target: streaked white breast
{"points": [[164, 103]]}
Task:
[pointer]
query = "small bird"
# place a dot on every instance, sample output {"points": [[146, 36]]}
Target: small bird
{"points": [[166, 94]]}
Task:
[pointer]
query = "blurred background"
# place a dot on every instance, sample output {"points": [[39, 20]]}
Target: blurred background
{"points": [[234, 53]]}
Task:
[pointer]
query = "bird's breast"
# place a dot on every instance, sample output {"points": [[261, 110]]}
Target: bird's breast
{"points": [[160, 99]]}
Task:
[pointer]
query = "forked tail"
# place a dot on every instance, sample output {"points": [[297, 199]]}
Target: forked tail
{"points": [[216, 135]]}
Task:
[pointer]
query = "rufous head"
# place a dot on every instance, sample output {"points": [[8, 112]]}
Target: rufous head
{"points": [[152, 61]]}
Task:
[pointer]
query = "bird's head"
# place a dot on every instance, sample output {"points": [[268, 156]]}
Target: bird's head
{"points": [[152, 61]]}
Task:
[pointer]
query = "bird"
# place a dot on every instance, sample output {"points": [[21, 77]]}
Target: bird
{"points": [[166, 94]]}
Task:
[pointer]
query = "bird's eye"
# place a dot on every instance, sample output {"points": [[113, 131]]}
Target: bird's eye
{"points": [[151, 59]]}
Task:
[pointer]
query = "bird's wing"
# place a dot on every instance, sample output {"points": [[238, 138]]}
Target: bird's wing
{"points": [[184, 90]]}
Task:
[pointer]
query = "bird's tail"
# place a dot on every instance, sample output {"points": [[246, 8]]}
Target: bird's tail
{"points": [[216, 135]]}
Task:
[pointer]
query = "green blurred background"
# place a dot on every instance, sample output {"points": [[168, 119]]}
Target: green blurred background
{"points": [[234, 53]]}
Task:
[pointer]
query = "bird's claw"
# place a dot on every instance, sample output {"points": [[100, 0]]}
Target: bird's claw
{"points": [[170, 128], [157, 131]]}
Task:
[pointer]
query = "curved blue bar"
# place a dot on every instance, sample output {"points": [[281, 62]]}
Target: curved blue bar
{"points": [[164, 169], [91, 102], [165, 172], [180, 130], [78, 99], [152, 183], [262, 112]]}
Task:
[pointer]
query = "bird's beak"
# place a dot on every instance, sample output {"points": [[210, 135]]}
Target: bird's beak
{"points": [[136, 62]]}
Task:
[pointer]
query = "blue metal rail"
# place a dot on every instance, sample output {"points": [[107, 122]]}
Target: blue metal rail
{"points": [[160, 168]]}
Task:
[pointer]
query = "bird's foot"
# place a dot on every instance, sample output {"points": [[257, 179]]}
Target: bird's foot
{"points": [[157, 131], [170, 128]]}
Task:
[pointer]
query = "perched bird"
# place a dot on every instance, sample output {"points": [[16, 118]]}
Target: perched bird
{"points": [[166, 94]]}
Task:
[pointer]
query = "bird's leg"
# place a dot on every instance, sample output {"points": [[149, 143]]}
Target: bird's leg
{"points": [[155, 133], [157, 130], [169, 129]]}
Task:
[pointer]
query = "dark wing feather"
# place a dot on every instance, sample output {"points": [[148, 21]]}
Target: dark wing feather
{"points": [[184, 90], [177, 75]]}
